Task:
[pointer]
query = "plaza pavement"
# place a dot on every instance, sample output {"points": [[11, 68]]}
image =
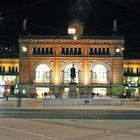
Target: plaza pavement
{"points": [[67, 129], [33, 103]]}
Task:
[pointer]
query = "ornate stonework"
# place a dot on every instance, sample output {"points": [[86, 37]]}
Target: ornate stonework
{"points": [[54, 51]]}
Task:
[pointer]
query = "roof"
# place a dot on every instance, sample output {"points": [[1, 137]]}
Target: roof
{"points": [[69, 37]]}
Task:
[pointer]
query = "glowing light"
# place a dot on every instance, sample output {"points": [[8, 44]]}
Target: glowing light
{"points": [[100, 73], [71, 31], [117, 50], [42, 74], [23, 91], [24, 49], [75, 37], [2, 82]]}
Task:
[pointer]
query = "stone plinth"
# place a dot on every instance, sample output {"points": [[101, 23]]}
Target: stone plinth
{"points": [[73, 90], [82, 101]]}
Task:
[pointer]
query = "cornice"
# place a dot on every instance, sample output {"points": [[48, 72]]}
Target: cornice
{"points": [[130, 62], [71, 42], [9, 62]]}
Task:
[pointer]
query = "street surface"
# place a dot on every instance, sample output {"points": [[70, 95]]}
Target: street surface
{"points": [[21, 127], [59, 129]]}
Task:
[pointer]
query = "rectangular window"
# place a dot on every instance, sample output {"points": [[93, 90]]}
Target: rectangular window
{"points": [[3, 70], [34, 50], [94, 74], [16, 69], [43, 51], [137, 71], [131, 70], [13, 69], [128, 70], [9, 69]]}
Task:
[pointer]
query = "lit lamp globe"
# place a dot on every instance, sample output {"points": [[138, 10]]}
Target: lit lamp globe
{"points": [[117, 50], [24, 49]]}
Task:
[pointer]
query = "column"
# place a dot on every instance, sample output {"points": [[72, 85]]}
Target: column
{"points": [[97, 51], [86, 72], [57, 70]]}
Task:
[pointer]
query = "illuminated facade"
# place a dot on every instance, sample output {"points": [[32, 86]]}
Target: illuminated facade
{"points": [[44, 66], [9, 75], [45, 63], [132, 76]]}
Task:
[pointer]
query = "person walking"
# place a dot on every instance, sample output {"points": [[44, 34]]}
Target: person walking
{"points": [[19, 96], [6, 94]]}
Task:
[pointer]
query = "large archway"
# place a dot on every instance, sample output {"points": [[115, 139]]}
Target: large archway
{"points": [[66, 75], [99, 74], [42, 74]]}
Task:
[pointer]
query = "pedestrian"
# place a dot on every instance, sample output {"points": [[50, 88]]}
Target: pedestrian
{"points": [[93, 94], [19, 95], [5, 95]]}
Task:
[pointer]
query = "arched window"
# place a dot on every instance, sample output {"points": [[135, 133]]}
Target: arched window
{"points": [[42, 74], [67, 78], [99, 74]]}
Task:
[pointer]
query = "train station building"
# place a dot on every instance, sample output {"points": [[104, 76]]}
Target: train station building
{"points": [[44, 63]]}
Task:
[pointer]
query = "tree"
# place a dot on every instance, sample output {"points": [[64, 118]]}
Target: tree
{"points": [[117, 90]]}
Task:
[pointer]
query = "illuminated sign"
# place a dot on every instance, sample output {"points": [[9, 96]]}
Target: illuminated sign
{"points": [[71, 31], [132, 85]]}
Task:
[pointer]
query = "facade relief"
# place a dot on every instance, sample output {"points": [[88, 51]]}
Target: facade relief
{"points": [[54, 58]]}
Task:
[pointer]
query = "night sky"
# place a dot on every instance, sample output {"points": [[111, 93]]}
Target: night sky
{"points": [[52, 17]]}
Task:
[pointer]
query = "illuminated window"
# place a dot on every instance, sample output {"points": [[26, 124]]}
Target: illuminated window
{"points": [[42, 74], [99, 74], [132, 80], [67, 78]]}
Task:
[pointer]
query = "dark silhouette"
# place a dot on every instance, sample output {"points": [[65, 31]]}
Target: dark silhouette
{"points": [[19, 96], [93, 94], [72, 74], [6, 94]]}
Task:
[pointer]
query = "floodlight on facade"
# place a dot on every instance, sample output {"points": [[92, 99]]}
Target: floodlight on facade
{"points": [[75, 37]]}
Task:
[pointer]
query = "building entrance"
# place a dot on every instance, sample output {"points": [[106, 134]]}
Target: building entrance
{"points": [[100, 91], [41, 91]]}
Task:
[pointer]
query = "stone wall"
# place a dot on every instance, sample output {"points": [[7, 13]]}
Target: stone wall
{"points": [[85, 101]]}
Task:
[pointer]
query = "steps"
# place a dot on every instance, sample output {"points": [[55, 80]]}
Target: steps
{"points": [[69, 114]]}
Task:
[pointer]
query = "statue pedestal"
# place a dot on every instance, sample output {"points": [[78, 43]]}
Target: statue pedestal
{"points": [[73, 90]]}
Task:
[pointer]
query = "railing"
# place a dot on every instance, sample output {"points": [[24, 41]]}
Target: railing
{"points": [[131, 74], [9, 73]]}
